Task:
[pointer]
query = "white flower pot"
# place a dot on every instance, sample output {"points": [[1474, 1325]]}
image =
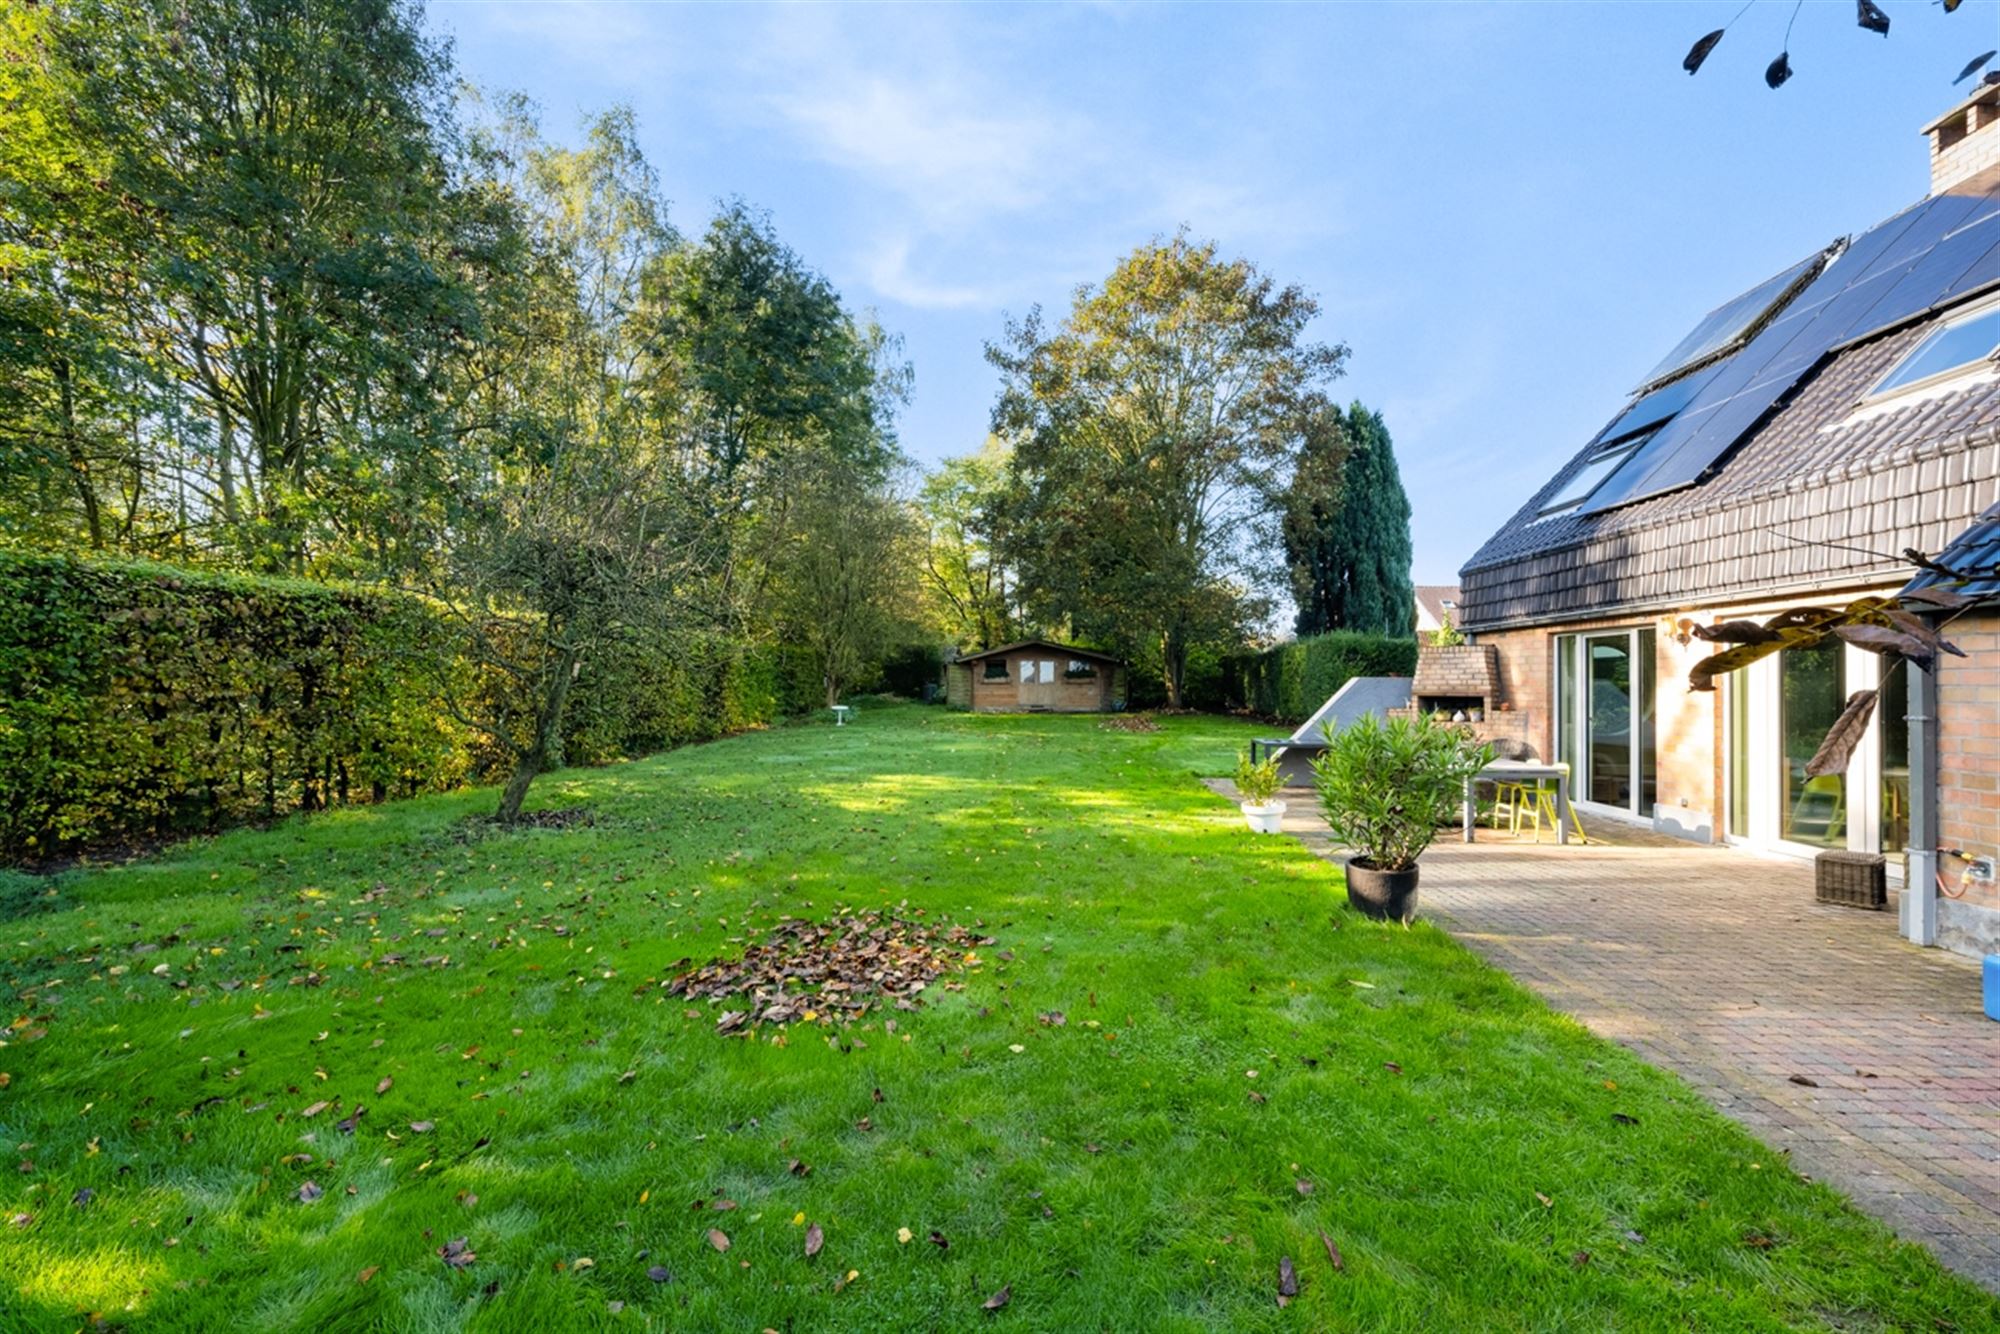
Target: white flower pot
{"points": [[1264, 819]]}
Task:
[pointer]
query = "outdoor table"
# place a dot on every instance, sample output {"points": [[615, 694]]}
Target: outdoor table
{"points": [[840, 712], [1503, 771]]}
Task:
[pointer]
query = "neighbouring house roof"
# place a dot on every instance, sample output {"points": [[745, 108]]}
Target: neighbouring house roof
{"points": [[1438, 601], [1975, 554], [1051, 645], [1817, 487]]}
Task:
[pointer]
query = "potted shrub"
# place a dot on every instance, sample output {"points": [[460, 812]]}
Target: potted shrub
{"points": [[1257, 784], [1385, 789]]}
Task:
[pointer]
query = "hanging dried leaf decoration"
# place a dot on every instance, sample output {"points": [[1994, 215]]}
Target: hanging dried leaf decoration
{"points": [[1973, 66], [1778, 70], [1870, 16], [1845, 734], [1699, 51]]}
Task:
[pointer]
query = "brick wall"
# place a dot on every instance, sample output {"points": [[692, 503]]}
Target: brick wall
{"points": [[1969, 747], [1965, 141]]}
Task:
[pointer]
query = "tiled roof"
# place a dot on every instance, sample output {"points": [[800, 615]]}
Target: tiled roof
{"points": [[1974, 553], [1784, 511], [1439, 600]]}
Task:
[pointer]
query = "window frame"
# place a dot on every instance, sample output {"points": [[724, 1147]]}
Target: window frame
{"points": [[1617, 453], [1978, 311]]}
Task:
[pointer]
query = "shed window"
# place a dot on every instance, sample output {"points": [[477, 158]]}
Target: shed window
{"points": [[996, 669], [1080, 670], [1027, 671]]}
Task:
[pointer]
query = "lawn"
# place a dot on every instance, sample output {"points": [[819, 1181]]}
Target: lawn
{"points": [[1244, 1071]]}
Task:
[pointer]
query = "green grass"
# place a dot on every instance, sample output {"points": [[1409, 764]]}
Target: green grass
{"points": [[1231, 1029]]}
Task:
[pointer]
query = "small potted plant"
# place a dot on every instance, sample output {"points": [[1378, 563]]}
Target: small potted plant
{"points": [[1257, 784], [1386, 787]]}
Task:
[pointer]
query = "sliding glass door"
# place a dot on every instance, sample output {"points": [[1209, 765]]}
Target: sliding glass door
{"points": [[1778, 711], [1604, 718]]}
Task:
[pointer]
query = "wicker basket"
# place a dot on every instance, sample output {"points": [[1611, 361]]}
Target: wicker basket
{"points": [[1855, 879]]}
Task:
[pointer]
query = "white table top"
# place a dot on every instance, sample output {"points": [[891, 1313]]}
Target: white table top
{"points": [[1523, 769]]}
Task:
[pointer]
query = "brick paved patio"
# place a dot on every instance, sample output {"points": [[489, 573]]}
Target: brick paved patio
{"points": [[1718, 965]]}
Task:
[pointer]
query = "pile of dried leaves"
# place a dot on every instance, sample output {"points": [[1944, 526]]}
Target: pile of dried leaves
{"points": [[835, 971], [1129, 722]]}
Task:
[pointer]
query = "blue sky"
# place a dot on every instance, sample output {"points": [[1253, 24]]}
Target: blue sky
{"points": [[1509, 212]]}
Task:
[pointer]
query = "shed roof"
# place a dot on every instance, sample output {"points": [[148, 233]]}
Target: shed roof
{"points": [[1818, 490], [1070, 650]]}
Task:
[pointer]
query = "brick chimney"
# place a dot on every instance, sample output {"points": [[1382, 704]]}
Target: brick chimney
{"points": [[1965, 140]]}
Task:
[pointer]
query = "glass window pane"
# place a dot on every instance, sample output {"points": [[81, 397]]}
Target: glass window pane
{"points": [[1566, 700], [1649, 788], [1609, 728], [1812, 691], [1738, 686], [1027, 671], [1895, 727], [1578, 488], [1947, 349]]}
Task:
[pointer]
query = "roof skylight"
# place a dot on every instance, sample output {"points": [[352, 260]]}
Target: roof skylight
{"points": [[1949, 347]]}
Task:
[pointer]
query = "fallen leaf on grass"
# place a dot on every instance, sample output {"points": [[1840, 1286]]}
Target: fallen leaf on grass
{"points": [[1622, 1119], [423, 1127], [383, 1087], [368, 1273], [903, 1236], [309, 1192], [1305, 1187], [457, 1253], [660, 1274], [1288, 1281], [1580, 1259], [718, 1239], [1332, 1251], [1547, 1203], [799, 1169], [1392, 1067], [814, 1240], [584, 1262], [938, 1240], [998, 1299], [316, 1109]]}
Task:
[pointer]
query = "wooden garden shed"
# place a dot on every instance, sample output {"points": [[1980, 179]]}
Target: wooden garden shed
{"points": [[1036, 676]]}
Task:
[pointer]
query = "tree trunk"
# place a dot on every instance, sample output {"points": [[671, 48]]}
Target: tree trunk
{"points": [[548, 733], [1173, 666]]}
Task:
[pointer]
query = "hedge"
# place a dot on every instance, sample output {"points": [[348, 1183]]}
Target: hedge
{"points": [[140, 700], [1290, 681]]}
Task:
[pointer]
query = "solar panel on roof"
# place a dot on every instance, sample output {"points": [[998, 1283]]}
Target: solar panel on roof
{"points": [[1728, 323], [1940, 251]]}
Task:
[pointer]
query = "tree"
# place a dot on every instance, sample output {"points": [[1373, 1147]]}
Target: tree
{"points": [[843, 572], [271, 229], [965, 580], [580, 523], [1149, 432], [757, 354], [1347, 529]]}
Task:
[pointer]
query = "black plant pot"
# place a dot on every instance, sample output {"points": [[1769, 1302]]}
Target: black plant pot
{"points": [[1390, 896]]}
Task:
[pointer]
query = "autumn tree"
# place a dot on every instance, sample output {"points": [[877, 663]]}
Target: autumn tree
{"points": [[578, 523], [249, 209], [843, 569], [1151, 434], [965, 582]]}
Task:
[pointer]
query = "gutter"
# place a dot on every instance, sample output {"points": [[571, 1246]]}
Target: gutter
{"points": [[1917, 908]]}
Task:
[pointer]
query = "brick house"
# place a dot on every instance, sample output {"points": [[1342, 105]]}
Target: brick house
{"points": [[1800, 437], [1035, 676]]}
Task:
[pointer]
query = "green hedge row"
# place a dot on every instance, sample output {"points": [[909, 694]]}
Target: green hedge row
{"points": [[143, 700], [1290, 681]]}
